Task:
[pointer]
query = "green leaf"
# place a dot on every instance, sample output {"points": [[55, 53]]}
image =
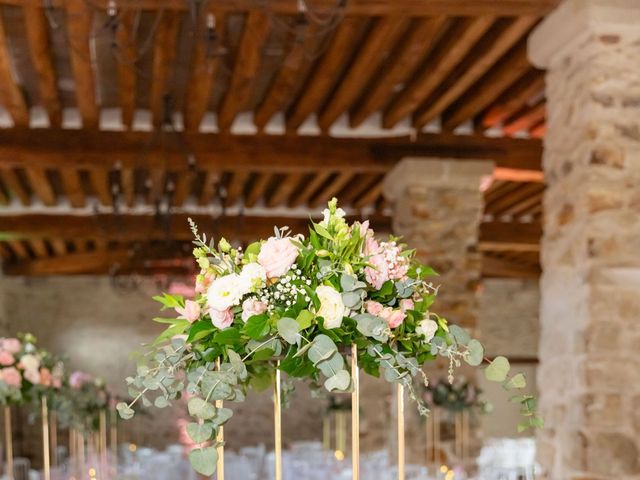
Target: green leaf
{"points": [[161, 402], [177, 329], [200, 432], [323, 232], [223, 415], [239, 368], [475, 353], [253, 249], [331, 365], [302, 350], [125, 411], [304, 319], [460, 335], [497, 370], [228, 336], [340, 381], [201, 409], [204, 460], [518, 381], [352, 300], [199, 330], [321, 349], [169, 301], [168, 321], [371, 326], [257, 326], [288, 329], [348, 282]]}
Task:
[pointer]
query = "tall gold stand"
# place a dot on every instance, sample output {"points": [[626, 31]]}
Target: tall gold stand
{"points": [[46, 452], [326, 432], [102, 443], [8, 437], [82, 462], [277, 422], [465, 436], [401, 446], [113, 440], [53, 436], [73, 451], [220, 440], [355, 415]]}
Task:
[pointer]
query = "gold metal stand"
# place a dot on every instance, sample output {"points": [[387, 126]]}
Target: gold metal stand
{"points": [[277, 422], [53, 436], [102, 443], [82, 462], [73, 451], [465, 435], [113, 440], [326, 432], [401, 445], [355, 415], [220, 440], [8, 437], [46, 452], [436, 435]]}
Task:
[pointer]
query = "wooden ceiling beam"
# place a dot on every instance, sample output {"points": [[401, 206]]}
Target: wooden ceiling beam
{"points": [[204, 68], [164, 54], [258, 189], [528, 118], [452, 48], [79, 30], [353, 7], [509, 236], [11, 95], [101, 184], [236, 187], [41, 186], [14, 186], [370, 196], [500, 268], [257, 153], [530, 86], [483, 57], [37, 28], [72, 187], [330, 190], [245, 70], [284, 189], [402, 64], [491, 86], [127, 185], [379, 42], [325, 74], [209, 186], [127, 65]]}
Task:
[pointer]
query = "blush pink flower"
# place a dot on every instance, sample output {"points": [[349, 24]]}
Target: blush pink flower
{"points": [[6, 358], [203, 281], [33, 376], [371, 246], [251, 307], [190, 311], [11, 376], [77, 379], [277, 255], [373, 307], [46, 379], [11, 345], [377, 273], [406, 304], [221, 318], [395, 319]]}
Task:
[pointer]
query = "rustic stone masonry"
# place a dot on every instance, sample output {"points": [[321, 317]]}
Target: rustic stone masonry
{"points": [[589, 376]]}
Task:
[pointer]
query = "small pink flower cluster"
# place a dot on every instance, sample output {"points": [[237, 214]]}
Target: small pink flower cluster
{"points": [[77, 379], [385, 260], [10, 375], [394, 318]]}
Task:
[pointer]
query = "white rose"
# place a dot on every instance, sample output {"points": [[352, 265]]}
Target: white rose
{"points": [[225, 292], [30, 362], [427, 328], [332, 308], [254, 274]]}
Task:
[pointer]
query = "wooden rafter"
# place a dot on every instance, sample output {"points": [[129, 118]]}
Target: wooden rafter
{"points": [[526, 119], [209, 186], [9, 177], [324, 75], [531, 85], [509, 236], [127, 185], [483, 57], [284, 189], [236, 187], [501, 268], [502, 205], [10, 94], [72, 187], [41, 56], [101, 185], [377, 45], [330, 190], [452, 48], [41, 186], [127, 64], [403, 63], [258, 189], [245, 68], [204, 68], [164, 53], [79, 28]]}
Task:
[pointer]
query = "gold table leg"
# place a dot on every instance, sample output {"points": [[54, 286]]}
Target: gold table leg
{"points": [[277, 420], [355, 415], [401, 445], [220, 440], [8, 435], [46, 452]]}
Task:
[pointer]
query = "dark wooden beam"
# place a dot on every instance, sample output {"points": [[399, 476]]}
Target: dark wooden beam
{"points": [[258, 153], [127, 65], [510, 236], [501, 268], [164, 54], [11, 95]]}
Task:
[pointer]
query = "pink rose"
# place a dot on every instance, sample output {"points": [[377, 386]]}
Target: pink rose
{"points": [[221, 319], [203, 281], [190, 311], [406, 304], [377, 273], [372, 307], [6, 359], [11, 376], [277, 255], [251, 307], [33, 376], [46, 378], [11, 345], [394, 318]]}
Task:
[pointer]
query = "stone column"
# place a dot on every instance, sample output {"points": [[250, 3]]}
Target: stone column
{"points": [[589, 375], [437, 208]]}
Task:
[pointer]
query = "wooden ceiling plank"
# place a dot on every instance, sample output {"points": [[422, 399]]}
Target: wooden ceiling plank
{"points": [[330, 190], [73, 187], [403, 64], [18, 248], [58, 246], [257, 191], [523, 207], [6, 253], [451, 49], [499, 268], [39, 247], [127, 65], [485, 60], [497, 191], [127, 185], [324, 75], [183, 187], [79, 32], [378, 44], [309, 189], [358, 185], [246, 67], [164, 54], [491, 86], [4, 197], [37, 29], [209, 187], [101, 184], [203, 70], [12, 183], [531, 85], [353, 7], [538, 131], [156, 184], [510, 237], [41, 186], [527, 119], [236, 187], [285, 189], [10, 93], [369, 197], [502, 204], [294, 66]]}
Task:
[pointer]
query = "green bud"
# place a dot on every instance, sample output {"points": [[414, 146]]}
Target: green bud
{"points": [[333, 204], [223, 245], [203, 262], [322, 253]]}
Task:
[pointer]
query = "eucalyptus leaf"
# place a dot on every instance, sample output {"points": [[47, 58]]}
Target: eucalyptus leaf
{"points": [[321, 349], [204, 460], [161, 402], [332, 365], [347, 282], [201, 409], [352, 300], [288, 329], [372, 326], [222, 416], [460, 335], [200, 432], [475, 353], [237, 364], [516, 382], [340, 381], [125, 411], [497, 370]]}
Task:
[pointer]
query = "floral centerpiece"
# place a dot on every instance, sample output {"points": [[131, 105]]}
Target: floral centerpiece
{"points": [[459, 396], [83, 398], [298, 303]]}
